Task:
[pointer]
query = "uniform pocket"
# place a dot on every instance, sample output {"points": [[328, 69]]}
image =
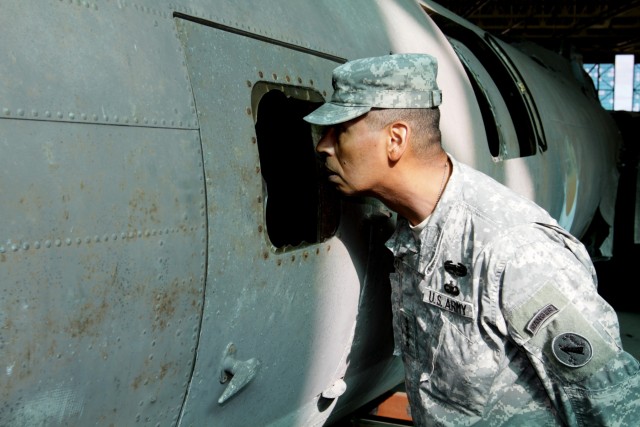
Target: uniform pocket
{"points": [[462, 370]]}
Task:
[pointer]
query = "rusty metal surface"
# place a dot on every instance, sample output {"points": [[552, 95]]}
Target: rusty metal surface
{"points": [[134, 245], [104, 220], [293, 310], [102, 252]]}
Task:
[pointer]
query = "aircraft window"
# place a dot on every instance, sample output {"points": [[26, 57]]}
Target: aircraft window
{"points": [[300, 204], [535, 124], [494, 137], [491, 129], [511, 86]]}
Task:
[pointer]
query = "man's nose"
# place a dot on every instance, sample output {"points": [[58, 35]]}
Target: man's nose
{"points": [[326, 142]]}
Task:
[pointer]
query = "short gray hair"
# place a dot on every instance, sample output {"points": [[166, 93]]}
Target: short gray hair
{"points": [[424, 122]]}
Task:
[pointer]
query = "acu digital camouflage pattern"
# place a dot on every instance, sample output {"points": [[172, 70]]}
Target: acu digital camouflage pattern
{"points": [[391, 81], [485, 355]]}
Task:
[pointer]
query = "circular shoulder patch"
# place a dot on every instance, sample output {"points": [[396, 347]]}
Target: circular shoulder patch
{"points": [[571, 349]]}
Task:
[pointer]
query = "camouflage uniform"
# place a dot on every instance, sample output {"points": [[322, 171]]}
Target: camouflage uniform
{"points": [[496, 311], [478, 301]]}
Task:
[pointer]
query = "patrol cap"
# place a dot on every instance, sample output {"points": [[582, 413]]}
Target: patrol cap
{"points": [[392, 81]]}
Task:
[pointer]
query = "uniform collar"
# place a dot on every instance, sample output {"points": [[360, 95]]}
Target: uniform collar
{"points": [[403, 242]]}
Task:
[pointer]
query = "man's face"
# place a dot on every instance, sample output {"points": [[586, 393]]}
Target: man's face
{"points": [[354, 156]]}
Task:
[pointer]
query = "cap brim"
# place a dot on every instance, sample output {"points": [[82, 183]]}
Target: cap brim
{"points": [[331, 114]]}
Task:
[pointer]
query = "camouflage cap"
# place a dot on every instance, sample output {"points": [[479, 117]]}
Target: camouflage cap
{"points": [[390, 81]]}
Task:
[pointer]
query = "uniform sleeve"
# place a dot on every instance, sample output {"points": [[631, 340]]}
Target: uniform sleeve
{"points": [[550, 303]]}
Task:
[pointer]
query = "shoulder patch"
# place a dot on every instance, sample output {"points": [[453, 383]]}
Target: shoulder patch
{"points": [[569, 343], [571, 349], [544, 314]]}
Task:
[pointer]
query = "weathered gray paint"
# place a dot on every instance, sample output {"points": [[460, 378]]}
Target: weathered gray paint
{"points": [[102, 257], [110, 62], [133, 247]]}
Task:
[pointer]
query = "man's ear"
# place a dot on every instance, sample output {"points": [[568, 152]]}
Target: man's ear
{"points": [[398, 140]]}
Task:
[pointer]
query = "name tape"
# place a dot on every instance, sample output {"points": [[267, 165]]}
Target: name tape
{"points": [[447, 303]]}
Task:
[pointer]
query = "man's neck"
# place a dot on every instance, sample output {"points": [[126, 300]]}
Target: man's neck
{"points": [[416, 189]]}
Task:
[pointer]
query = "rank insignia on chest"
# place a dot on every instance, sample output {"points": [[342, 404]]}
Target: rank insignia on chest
{"points": [[445, 302], [456, 270], [452, 289]]}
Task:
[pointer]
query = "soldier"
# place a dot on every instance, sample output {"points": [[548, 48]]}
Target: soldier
{"points": [[495, 308]]}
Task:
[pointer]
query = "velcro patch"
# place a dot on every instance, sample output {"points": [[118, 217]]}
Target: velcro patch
{"points": [[569, 341], [445, 302]]}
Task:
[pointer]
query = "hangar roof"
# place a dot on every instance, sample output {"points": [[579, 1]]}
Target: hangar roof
{"points": [[595, 29]]}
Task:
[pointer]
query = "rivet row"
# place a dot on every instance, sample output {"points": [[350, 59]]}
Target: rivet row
{"points": [[11, 246], [81, 3], [21, 113]]}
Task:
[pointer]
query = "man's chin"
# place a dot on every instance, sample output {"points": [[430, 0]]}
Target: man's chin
{"points": [[336, 182], [335, 179], [340, 185], [344, 190]]}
